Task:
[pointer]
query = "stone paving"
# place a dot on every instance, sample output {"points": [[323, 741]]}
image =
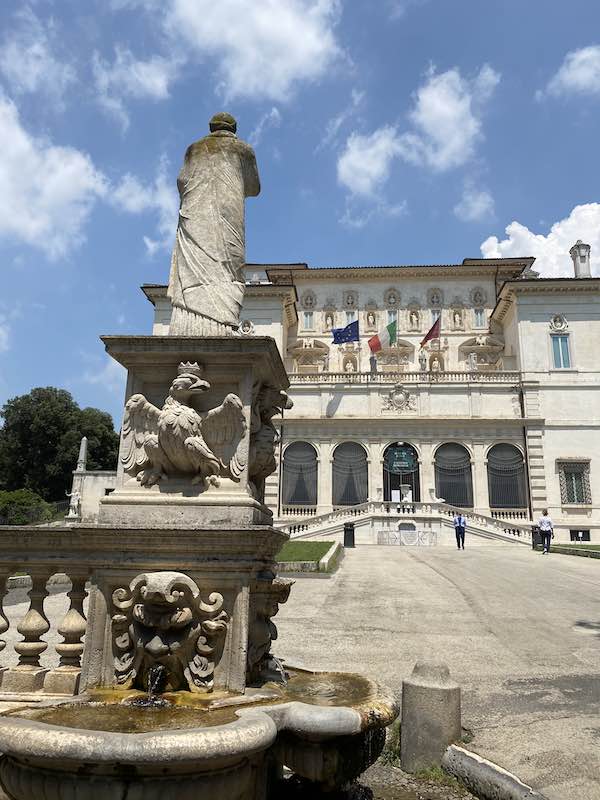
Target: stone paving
{"points": [[520, 632]]}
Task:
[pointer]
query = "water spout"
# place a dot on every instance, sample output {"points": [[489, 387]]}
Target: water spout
{"points": [[156, 682], [277, 665]]}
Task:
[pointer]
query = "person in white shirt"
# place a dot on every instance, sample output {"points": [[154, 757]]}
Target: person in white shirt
{"points": [[546, 529], [460, 523]]}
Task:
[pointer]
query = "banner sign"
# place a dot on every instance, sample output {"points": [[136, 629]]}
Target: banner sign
{"points": [[400, 458]]}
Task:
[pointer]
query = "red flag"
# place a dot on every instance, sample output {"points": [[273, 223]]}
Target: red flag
{"points": [[433, 332]]}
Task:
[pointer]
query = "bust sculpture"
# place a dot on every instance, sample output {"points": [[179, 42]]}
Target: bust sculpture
{"points": [[206, 283]]}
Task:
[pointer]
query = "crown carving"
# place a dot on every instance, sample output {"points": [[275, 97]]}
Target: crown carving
{"points": [[189, 368]]}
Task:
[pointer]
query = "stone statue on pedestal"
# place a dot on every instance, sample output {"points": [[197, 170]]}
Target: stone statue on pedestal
{"points": [[206, 283]]}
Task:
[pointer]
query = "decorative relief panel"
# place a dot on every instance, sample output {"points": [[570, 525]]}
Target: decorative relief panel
{"points": [[308, 300], [435, 298], [391, 298], [558, 323], [478, 296], [399, 400], [161, 619]]}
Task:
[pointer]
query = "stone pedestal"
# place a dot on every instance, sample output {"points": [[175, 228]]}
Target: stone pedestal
{"points": [[241, 366], [430, 716]]}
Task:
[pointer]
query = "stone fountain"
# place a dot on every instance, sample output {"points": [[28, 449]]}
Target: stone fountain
{"points": [[175, 690]]}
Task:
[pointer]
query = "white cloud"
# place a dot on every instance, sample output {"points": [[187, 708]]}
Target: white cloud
{"points": [[159, 197], [358, 215], [111, 376], [335, 124], [552, 250], [46, 191], [271, 119], [578, 74], [258, 50], [365, 164], [447, 118], [475, 204], [398, 8], [27, 60], [128, 77], [4, 333]]}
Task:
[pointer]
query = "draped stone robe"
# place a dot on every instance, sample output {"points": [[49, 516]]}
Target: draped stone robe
{"points": [[206, 284]]}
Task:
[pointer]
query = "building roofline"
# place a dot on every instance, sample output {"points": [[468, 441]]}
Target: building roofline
{"points": [[537, 285]]}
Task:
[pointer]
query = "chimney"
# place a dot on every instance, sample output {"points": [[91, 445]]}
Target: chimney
{"points": [[580, 253]]}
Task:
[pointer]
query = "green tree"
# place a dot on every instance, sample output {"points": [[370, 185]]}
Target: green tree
{"points": [[39, 441], [23, 507]]}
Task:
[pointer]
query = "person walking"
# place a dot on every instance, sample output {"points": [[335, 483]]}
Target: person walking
{"points": [[460, 523], [546, 529]]}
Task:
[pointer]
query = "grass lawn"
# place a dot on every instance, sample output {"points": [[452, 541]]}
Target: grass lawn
{"points": [[588, 546], [303, 551]]}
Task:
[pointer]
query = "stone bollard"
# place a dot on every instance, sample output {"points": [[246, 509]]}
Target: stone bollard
{"points": [[430, 716]]}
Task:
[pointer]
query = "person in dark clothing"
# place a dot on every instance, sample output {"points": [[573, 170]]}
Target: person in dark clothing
{"points": [[460, 523]]}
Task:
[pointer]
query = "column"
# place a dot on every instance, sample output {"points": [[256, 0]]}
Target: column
{"points": [[325, 485], [481, 498], [427, 475]]}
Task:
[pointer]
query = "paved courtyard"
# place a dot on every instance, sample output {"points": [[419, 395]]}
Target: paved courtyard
{"points": [[520, 632]]}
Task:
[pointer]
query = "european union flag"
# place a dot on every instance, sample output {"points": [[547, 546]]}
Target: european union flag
{"points": [[347, 334]]}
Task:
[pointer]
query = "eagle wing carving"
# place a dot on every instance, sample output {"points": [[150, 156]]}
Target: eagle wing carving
{"points": [[223, 429], [139, 422]]}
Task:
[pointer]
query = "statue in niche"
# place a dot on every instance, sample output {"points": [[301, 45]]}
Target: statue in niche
{"points": [[206, 283], [264, 436], [414, 320], [162, 619], [422, 361], [457, 319], [349, 366], [177, 440], [328, 321], [370, 319], [472, 362], [435, 364]]}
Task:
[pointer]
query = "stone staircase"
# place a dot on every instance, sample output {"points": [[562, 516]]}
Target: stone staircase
{"points": [[308, 527]]}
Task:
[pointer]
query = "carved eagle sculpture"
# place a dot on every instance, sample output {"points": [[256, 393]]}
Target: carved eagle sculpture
{"points": [[177, 440]]}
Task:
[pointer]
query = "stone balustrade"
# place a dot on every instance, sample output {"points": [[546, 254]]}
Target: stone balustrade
{"points": [[476, 520], [28, 675], [450, 376]]}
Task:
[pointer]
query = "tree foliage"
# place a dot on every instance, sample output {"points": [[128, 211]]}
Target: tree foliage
{"points": [[39, 441], [23, 507]]}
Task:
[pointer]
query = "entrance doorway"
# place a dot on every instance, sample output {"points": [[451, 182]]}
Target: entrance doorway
{"points": [[400, 468]]}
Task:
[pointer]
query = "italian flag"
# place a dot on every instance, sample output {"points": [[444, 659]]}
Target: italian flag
{"points": [[384, 338]]}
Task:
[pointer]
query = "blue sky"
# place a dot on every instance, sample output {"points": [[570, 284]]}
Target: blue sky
{"points": [[390, 132]]}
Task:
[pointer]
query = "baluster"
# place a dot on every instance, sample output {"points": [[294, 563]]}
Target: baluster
{"points": [[4, 623], [28, 675], [65, 678]]}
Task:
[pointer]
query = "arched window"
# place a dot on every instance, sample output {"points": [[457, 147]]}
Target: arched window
{"points": [[299, 486], [453, 479], [401, 469], [350, 475], [506, 477]]}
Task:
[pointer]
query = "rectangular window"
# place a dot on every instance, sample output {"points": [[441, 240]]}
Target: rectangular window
{"points": [[392, 315], [479, 318], [560, 352], [350, 317], [308, 319], [435, 314], [580, 536], [574, 479]]}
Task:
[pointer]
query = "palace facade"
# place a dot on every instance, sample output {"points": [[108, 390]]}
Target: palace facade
{"points": [[499, 416]]}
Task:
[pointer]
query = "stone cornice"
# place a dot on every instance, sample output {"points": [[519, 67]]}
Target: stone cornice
{"points": [[510, 289]]}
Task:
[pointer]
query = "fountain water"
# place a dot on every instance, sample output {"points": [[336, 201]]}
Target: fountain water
{"points": [[178, 692]]}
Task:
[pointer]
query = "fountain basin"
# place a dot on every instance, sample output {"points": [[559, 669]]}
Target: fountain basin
{"points": [[230, 752]]}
